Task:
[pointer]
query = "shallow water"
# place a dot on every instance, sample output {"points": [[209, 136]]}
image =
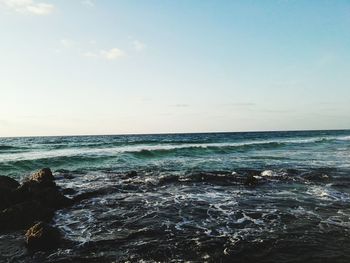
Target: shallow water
{"points": [[189, 200]]}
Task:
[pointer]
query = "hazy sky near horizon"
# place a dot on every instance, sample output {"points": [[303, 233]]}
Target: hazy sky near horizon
{"points": [[110, 67]]}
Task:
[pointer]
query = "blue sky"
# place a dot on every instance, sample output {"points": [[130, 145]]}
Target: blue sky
{"points": [[110, 67]]}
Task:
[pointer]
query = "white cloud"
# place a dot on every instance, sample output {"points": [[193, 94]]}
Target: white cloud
{"points": [[138, 45], [28, 7], [112, 54], [78, 47], [88, 3]]}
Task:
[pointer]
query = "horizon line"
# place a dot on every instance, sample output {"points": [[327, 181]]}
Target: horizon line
{"points": [[174, 133]]}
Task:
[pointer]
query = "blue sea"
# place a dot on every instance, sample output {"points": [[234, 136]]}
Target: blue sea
{"points": [[187, 197]]}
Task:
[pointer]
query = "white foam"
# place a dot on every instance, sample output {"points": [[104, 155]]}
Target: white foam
{"points": [[268, 173], [338, 221], [324, 193], [345, 138], [110, 151]]}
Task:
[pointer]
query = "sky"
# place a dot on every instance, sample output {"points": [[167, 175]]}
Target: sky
{"points": [[75, 67]]}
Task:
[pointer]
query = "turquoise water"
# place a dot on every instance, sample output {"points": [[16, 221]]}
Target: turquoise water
{"points": [[177, 152], [188, 200]]}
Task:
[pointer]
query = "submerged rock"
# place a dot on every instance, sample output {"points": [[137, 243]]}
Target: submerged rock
{"points": [[131, 174], [251, 181], [42, 236], [317, 177], [91, 194]]}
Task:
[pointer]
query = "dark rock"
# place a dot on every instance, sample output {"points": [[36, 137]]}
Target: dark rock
{"points": [[7, 186], [41, 236], [28, 189], [168, 180], [251, 181], [48, 195], [51, 197], [5, 198], [68, 191], [131, 174], [33, 190], [43, 176], [218, 178], [87, 195], [8, 183], [24, 214], [36, 199], [317, 177]]}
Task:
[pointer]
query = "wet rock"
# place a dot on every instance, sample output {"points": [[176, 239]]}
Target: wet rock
{"points": [[47, 193], [52, 198], [68, 191], [5, 198], [8, 183], [317, 177], [43, 176], [42, 236], [36, 199], [168, 180], [251, 181], [27, 190], [131, 174], [218, 178], [88, 195], [24, 214]]}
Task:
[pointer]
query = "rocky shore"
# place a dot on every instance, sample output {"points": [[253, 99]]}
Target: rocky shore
{"points": [[30, 207]]}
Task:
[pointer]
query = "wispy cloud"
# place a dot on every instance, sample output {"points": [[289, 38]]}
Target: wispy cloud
{"points": [[90, 50], [28, 7], [138, 45], [112, 54]]}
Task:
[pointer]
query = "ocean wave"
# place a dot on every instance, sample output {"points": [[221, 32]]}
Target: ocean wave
{"points": [[217, 148], [102, 142], [199, 149], [159, 149], [112, 144], [73, 162], [344, 138], [10, 147], [146, 150]]}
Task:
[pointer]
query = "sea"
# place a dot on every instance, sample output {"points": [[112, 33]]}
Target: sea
{"points": [[204, 197]]}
